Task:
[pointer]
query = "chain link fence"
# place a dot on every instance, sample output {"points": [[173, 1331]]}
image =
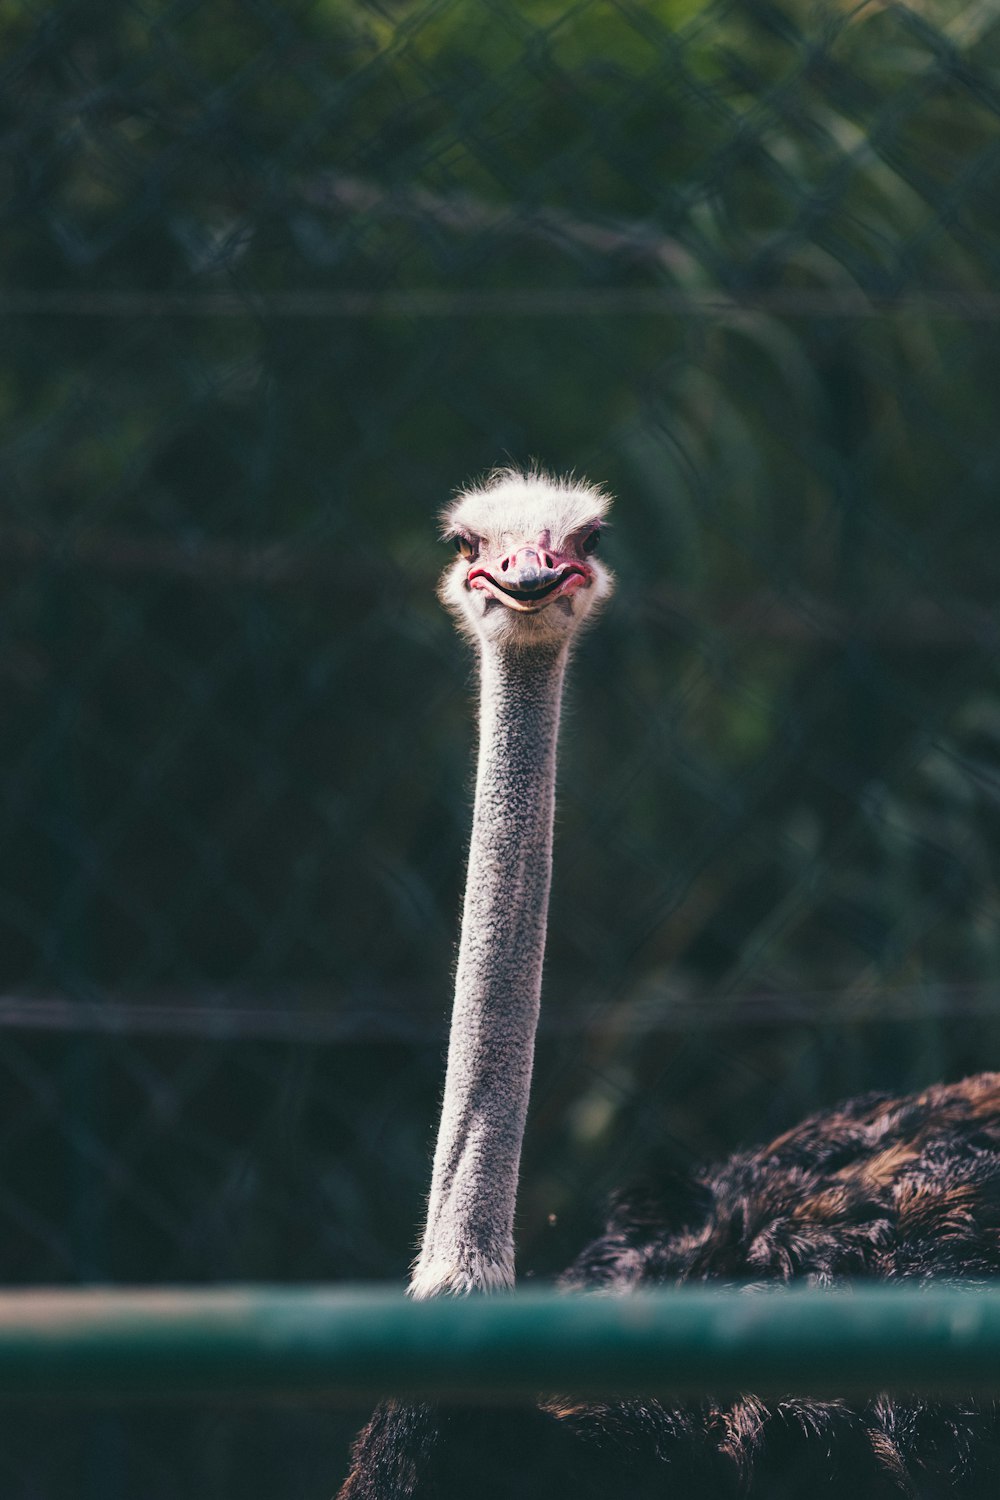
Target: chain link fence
{"points": [[276, 278]]}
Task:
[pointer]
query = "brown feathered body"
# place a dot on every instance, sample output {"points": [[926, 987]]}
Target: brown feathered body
{"points": [[879, 1188]]}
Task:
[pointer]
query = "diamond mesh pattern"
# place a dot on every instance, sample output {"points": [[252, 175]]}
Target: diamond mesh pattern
{"points": [[274, 279]]}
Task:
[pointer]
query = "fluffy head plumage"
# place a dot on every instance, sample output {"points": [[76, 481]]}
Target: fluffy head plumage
{"points": [[526, 576], [510, 502]]}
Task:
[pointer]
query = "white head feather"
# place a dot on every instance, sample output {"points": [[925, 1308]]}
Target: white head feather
{"points": [[506, 510]]}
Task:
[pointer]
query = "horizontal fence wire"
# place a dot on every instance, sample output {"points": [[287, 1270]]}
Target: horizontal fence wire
{"points": [[527, 303]]}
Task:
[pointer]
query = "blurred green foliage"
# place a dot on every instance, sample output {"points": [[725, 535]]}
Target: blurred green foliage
{"points": [[844, 454], [274, 280]]}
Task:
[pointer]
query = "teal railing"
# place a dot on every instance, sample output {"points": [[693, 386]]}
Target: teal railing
{"points": [[351, 1344]]}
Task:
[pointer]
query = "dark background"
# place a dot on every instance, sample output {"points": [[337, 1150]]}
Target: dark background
{"points": [[274, 279]]}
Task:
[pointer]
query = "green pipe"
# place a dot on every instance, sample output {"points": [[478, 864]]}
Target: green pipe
{"points": [[353, 1344]]}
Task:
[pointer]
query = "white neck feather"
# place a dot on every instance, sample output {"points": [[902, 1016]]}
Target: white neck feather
{"points": [[468, 1241]]}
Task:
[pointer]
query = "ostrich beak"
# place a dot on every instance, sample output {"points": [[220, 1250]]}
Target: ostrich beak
{"points": [[527, 572], [529, 576]]}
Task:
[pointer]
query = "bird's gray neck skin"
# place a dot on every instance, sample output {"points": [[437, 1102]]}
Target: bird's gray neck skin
{"points": [[468, 1242]]}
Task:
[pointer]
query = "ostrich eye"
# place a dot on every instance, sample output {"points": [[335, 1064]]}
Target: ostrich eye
{"points": [[591, 540], [465, 546]]}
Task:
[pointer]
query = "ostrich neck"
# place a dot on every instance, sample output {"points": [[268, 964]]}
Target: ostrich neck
{"points": [[468, 1241]]}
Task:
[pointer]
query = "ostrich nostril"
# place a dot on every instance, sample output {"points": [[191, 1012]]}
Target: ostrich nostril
{"points": [[548, 561], [505, 564]]}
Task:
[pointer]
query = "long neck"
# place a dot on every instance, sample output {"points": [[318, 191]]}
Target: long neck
{"points": [[468, 1241]]}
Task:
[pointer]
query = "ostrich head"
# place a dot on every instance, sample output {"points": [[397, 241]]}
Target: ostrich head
{"points": [[526, 574]]}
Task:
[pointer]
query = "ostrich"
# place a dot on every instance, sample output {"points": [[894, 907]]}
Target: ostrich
{"points": [[879, 1187]]}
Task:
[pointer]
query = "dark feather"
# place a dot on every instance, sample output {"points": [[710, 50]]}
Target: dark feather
{"points": [[879, 1187]]}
